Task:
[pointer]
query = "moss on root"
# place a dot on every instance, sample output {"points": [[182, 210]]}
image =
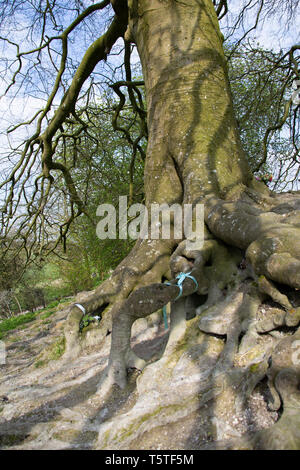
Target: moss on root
{"points": [[52, 353], [133, 428]]}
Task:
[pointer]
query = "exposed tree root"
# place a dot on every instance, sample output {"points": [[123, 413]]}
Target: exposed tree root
{"points": [[284, 381], [270, 239], [257, 244]]}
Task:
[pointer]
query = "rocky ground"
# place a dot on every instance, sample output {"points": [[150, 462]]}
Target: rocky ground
{"points": [[47, 402]]}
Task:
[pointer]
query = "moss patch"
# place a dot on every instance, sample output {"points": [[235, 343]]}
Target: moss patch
{"points": [[52, 353], [71, 435], [8, 440], [160, 410], [58, 349], [254, 368], [39, 364]]}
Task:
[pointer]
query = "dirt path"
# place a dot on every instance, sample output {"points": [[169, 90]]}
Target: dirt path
{"points": [[54, 405]]}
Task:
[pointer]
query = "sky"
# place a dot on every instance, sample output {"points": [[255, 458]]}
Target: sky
{"points": [[272, 33]]}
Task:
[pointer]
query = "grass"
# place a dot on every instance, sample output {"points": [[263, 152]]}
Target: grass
{"points": [[14, 322], [56, 294], [47, 314], [53, 304]]}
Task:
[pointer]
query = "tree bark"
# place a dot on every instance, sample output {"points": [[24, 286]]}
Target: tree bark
{"points": [[194, 146]]}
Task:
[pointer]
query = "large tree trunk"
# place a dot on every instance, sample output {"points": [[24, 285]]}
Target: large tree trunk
{"points": [[194, 147], [252, 238]]}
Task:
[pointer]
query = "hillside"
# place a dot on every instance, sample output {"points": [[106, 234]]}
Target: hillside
{"points": [[179, 402]]}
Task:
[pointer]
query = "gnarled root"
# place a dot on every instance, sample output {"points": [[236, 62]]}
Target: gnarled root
{"points": [[284, 383], [235, 288], [148, 262], [212, 263]]}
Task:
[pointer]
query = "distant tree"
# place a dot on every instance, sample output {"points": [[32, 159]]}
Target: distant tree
{"points": [[268, 124]]}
